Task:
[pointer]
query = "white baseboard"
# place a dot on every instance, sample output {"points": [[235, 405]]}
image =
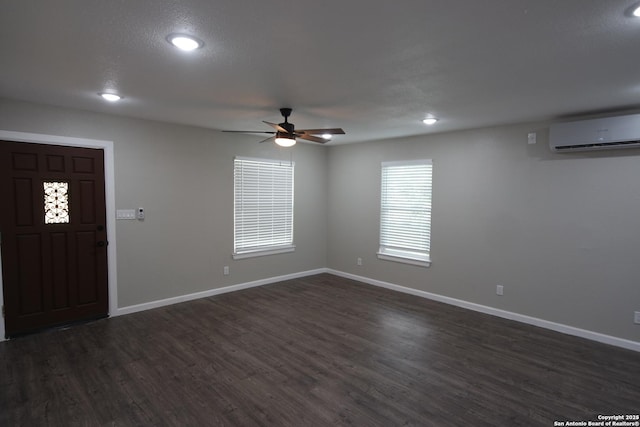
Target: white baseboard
{"points": [[189, 297], [558, 327]]}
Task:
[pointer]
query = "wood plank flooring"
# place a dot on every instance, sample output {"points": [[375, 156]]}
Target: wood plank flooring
{"points": [[316, 351]]}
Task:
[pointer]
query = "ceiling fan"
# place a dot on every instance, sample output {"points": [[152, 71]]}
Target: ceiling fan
{"points": [[285, 133]]}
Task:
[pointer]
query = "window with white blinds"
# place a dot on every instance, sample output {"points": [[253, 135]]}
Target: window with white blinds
{"points": [[405, 212], [263, 207]]}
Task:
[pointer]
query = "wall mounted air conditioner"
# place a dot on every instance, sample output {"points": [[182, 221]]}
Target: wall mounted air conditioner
{"points": [[596, 134]]}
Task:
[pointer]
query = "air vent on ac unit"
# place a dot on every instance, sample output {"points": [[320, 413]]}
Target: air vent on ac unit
{"points": [[596, 134]]}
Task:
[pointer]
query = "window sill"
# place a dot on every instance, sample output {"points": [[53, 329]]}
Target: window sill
{"points": [[404, 260], [264, 252]]}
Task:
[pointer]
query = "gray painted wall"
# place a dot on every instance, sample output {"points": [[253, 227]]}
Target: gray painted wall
{"points": [[183, 177], [559, 231]]}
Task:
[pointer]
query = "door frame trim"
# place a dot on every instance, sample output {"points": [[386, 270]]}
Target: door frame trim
{"points": [[110, 203]]}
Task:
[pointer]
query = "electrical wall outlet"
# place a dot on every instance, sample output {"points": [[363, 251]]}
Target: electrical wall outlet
{"points": [[359, 261], [225, 270], [499, 290], [636, 317]]}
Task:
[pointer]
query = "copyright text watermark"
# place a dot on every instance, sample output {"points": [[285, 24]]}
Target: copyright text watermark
{"points": [[627, 420]]}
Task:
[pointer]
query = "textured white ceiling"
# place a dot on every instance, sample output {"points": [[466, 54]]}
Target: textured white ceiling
{"points": [[374, 68]]}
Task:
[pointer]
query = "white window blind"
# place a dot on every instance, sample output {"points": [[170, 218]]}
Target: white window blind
{"points": [[263, 207], [405, 211]]}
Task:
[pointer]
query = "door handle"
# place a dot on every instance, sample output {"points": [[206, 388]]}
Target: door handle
{"points": [[102, 243]]}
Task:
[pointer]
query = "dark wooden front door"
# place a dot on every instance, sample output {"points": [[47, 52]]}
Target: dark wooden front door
{"points": [[53, 241]]}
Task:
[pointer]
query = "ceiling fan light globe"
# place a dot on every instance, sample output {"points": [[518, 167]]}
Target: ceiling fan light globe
{"points": [[285, 142]]}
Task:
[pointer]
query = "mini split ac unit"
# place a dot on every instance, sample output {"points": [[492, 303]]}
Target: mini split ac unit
{"points": [[596, 134]]}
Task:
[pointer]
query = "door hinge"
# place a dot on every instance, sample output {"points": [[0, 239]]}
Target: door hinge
{"points": [[3, 310]]}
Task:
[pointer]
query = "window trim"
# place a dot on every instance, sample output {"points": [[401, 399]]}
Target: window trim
{"points": [[404, 255], [266, 250]]}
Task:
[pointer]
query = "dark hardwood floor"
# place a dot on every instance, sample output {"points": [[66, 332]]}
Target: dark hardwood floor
{"points": [[316, 351]]}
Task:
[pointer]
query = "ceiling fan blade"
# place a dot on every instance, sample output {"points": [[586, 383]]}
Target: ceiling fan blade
{"points": [[270, 139], [330, 131], [311, 138], [247, 131], [276, 126]]}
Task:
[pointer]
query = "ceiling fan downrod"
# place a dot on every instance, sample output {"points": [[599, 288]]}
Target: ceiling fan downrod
{"points": [[289, 127]]}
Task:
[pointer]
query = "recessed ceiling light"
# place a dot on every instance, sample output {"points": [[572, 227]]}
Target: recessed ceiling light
{"points": [[111, 97], [326, 136], [185, 42], [430, 121], [636, 12]]}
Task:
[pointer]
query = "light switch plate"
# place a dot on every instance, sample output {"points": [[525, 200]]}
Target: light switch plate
{"points": [[125, 214]]}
